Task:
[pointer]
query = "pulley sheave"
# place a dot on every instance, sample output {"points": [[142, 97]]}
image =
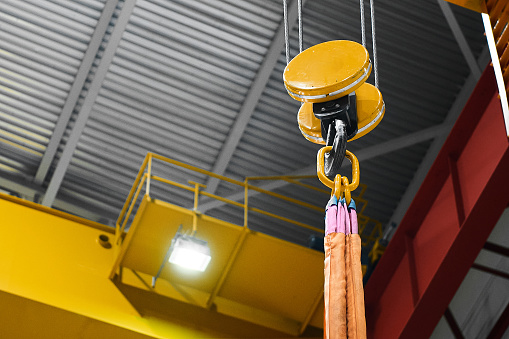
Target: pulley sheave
{"points": [[327, 71]]}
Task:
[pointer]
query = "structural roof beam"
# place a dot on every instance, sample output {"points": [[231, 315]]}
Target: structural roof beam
{"points": [[84, 113], [364, 154], [75, 91], [460, 38], [252, 97]]}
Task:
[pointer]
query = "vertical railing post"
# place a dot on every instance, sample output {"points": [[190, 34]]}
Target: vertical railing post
{"points": [[122, 216], [149, 173], [197, 187], [246, 191]]}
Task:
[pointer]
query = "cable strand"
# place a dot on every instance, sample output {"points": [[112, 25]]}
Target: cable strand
{"points": [[373, 35], [299, 6], [285, 19], [363, 23]]}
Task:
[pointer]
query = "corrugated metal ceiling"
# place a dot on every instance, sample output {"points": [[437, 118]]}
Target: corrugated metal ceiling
{"points": [[104, 82]]}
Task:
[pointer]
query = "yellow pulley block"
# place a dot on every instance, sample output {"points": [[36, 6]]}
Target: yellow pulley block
{"points": [[327, 71], [370, 111]]}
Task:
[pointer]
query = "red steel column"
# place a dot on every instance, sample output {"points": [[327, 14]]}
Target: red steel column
{"points": [[447, 224]]}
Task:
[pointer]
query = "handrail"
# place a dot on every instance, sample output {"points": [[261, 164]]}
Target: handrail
{"points": [[120, 229], [131, 192], [145, 177]]}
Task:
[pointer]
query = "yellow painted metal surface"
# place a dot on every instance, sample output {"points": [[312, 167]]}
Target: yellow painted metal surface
{"points": [[60, 263], [475, 5], [264, 280], [57, 213], [136, 286], [54, 283], [150, 235], [276, 276], [25, 318], [327, 71]]}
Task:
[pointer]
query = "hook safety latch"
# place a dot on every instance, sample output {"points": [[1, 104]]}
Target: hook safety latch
{"points": [[320, 171]]}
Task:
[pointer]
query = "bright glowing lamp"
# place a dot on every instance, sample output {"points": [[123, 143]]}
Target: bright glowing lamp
{"points": [[189, 252]]}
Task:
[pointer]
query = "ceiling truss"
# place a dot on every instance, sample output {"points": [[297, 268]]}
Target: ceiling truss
{"points": [[74, 93], [84, 113]]}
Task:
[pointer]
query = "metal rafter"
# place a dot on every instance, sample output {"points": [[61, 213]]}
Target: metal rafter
{"points": [[435, 147], [460, 38], [84, 113], [74, 93], [364, 154], [252, 97]]}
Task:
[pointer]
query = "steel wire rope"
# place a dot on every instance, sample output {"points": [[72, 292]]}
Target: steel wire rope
{"points": [[363, 23], [285, 19], [373, 37], [299, 9]]}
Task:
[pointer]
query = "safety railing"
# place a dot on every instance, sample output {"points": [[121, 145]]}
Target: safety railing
{"points": [[146, 176]]}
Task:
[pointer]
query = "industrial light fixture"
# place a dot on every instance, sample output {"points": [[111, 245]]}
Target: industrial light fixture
{"points": [[186, 251], [189, 252]]}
